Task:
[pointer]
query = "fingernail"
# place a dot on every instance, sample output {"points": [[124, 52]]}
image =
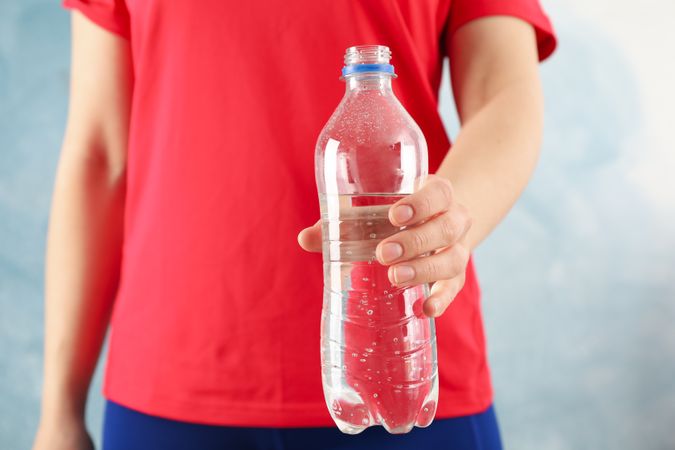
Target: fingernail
{"points": [[437, 308], [434, 306], [403, 274], [402, 213], [390, 251]]}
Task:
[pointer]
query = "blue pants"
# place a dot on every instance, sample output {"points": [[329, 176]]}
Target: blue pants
{"points": [[126, 429]]}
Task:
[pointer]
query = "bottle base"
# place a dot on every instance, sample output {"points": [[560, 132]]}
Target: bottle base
{"points": [[353, 418]]}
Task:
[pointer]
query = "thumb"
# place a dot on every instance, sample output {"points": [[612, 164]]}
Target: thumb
{"points": [[310, 238]]}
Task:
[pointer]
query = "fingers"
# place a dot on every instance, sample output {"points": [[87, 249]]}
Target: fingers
{"points": [[310, 238], [443, 230], [448, 263], [434, 197], [442, 294]]}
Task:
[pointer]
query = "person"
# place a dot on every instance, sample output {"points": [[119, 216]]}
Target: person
{"points": [[186, 176]]}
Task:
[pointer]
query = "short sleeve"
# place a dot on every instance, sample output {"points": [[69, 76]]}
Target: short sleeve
{"points": [[464, 11], [112, 15]]}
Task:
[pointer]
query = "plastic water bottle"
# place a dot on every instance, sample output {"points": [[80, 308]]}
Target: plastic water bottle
{"points": [[378, 349]]}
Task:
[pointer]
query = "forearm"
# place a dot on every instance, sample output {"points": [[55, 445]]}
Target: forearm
{"points": [[495, 154], [82, 272]]}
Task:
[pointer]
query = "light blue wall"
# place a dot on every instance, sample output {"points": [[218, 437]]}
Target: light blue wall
{"points": [[578, 282], [34, 59]]}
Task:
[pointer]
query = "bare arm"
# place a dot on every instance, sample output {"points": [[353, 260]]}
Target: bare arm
{"points": [[495, 77], [85, 229]]}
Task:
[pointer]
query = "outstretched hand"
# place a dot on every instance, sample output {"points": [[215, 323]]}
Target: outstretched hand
{"points": [[431, 249]]}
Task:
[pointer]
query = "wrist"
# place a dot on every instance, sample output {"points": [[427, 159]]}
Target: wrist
{"points": [[62, 405]]}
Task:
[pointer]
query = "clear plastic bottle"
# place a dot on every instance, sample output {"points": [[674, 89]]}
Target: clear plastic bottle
{"points": [[378, 349]]}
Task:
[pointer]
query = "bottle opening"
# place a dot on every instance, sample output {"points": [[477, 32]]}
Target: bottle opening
{"points": [[367, 54], [367, 58]]}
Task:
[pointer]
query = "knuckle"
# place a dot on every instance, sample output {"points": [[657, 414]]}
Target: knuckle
{"points": [[459, 260], [431, 271], [457, 267], [425, 205], [462, 280], [445, 187], [447, 228], [419, 242]]}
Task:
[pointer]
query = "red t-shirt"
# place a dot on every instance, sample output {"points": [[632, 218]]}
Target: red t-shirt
{"points": [[218, 312]]}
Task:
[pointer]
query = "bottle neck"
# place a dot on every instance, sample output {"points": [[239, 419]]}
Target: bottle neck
{"points": [[368, 82]]}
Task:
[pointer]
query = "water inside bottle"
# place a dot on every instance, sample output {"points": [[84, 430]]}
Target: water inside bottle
{"points": [[378, 347]]}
